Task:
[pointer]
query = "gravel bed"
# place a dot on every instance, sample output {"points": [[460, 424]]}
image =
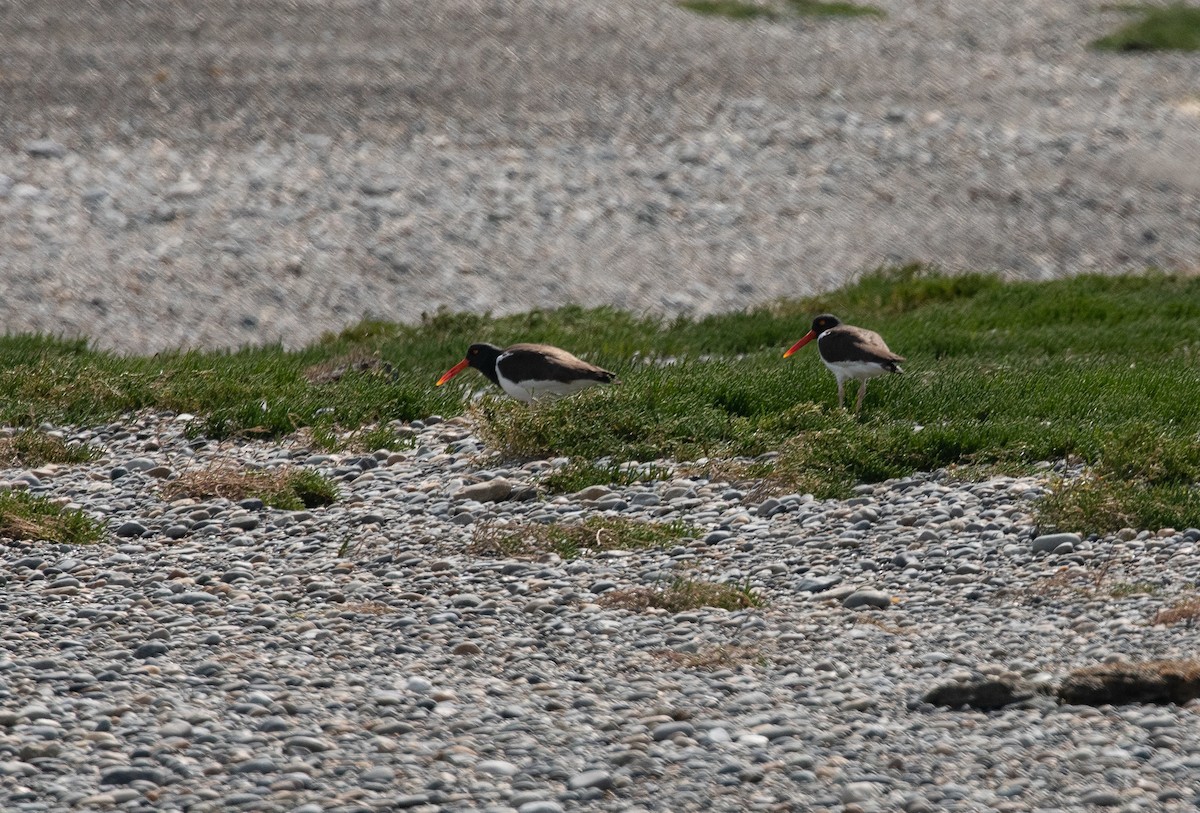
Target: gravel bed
{"points": [[176, 175], [362, 657]]}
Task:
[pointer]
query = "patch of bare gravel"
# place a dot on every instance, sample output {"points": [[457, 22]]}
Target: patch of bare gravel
{"points": [[174, 174]]}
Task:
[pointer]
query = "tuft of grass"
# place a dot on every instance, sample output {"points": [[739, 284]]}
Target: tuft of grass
{"points": [[815, 8], [1186, 610], [738, 10], [682, 595], [1161, 28], [32, 518], [365, 439], [579, 474], [288, 489], [571, 541], [1125, 589], [1145, 477], [733, 9], [30, 448]]}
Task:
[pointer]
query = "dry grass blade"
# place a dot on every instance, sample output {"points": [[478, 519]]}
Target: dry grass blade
{"points": [[359, 360], [521, 540], [30, 448], [1186, 610], [287, 488], [682, 595]]}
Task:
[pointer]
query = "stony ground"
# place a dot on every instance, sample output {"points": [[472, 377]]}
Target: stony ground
{"points": [[181, 174], [365, 657]]}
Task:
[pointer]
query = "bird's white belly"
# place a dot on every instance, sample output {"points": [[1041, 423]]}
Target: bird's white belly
{"points": [[531, 390], [859, 370]]}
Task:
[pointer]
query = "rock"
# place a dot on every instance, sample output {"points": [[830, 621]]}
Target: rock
{"points": [[590, 779], [488, 491], [45, 148], [128, 774], [867, 598], [151, 649], [496, 767], [592, 493], [540, 807], [1047, 543], [381, 185], [665, 731], [130, 529], [1101, 798]]}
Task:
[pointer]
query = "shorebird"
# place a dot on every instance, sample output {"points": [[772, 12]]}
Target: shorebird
{"points": [[530, 371], [850, 352]]}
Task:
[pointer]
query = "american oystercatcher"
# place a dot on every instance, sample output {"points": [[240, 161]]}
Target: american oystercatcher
{"points": [[530, 371], [849, 352]]}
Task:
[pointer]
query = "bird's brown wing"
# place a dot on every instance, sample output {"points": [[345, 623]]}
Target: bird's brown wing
{"points": [[544, 362], [849, 343]]}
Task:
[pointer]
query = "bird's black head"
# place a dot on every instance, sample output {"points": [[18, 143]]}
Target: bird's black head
{"points": [[482, 356], [824, 322]]}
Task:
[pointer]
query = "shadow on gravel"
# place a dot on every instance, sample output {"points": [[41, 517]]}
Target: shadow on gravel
{"points": [[1162, 682]]}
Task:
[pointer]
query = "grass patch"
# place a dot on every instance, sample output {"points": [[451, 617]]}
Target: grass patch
{"points": [[32, 518], [1126, 589], [682, 595], [571, 541], [738, 10], [1000, 375], [579, 474], [366, 439], [815, 8], [29, 448], [1185, 610], [288, 489], [1160, 28], [1094, 504], [733, 9]]}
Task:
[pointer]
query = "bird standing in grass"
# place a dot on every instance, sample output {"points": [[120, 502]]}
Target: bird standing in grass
{"points": [[531, 371], [850, 353]]}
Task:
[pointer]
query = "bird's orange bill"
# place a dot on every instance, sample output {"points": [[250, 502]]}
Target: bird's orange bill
{"points": [[808, 337], [453, 371]]}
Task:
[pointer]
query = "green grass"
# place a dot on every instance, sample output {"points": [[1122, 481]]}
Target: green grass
{"points": [[737, 10], [814, 8], [31, 518], [579, 474], [1103, 369], [684, 594], [30, 448], [571, 541], [289, 489], [1161, 28], [732, 9]]}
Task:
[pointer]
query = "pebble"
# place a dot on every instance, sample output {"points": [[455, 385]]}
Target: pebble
{"points": [[45, 148], [1052, 542], [258, 664], [867, 598], [517, 182]]}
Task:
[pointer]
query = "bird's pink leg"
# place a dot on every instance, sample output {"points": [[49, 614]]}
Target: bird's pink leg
{"points": [[862, 392], [841, 393]]}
